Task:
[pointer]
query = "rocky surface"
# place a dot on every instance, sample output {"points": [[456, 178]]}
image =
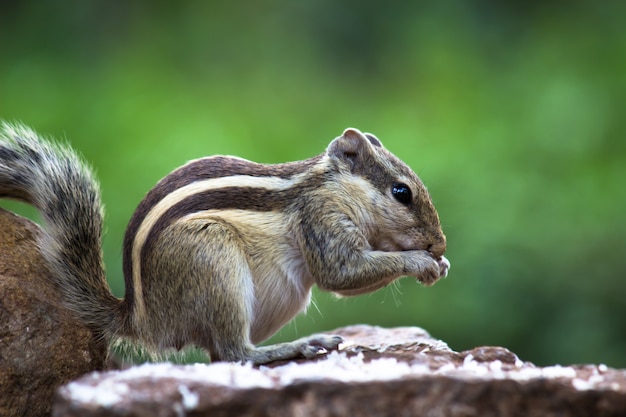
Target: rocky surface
{"points": [[378, 372], [42, 346]]}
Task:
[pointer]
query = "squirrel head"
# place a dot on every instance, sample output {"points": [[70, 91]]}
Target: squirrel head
{"points": [[395, 211]]}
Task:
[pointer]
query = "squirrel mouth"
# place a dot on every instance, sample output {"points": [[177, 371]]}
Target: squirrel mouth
{"points": [[395, 244], [385, 245]]}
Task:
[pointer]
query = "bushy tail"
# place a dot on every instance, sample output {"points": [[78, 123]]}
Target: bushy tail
{"points": [[56, 181]]}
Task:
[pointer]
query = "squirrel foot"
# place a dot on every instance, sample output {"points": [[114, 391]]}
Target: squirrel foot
{"points": [[307, 347], [312, 346]]}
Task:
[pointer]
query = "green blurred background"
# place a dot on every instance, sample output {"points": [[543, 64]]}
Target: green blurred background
{"points": [[511, 112]]}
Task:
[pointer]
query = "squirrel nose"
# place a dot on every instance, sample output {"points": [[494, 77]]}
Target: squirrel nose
{"points": [[437, 248]]}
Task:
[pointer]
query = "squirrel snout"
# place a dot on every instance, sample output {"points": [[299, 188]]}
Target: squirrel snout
{"points": [[437, 248]]}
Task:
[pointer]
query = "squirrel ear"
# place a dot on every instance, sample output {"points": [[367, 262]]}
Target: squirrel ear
{"points": [[349, 147], [373, 140]]}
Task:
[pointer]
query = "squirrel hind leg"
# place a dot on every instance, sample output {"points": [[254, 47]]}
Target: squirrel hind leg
{"points": [[206, 283], [216, 301]]}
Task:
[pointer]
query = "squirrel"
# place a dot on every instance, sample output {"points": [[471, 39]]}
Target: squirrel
{"points": [[223, 252]]}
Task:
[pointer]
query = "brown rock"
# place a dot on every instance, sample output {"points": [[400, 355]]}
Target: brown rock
{"points": [[379, 372], [42, 346]]}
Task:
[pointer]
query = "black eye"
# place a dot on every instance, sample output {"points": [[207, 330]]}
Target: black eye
{"points": [[402, 193]]}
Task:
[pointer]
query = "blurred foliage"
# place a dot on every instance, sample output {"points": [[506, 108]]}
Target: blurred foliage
{"points": [[511, 112]]}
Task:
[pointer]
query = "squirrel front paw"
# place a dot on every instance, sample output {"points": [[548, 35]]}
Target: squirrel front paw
{"points": [[431, 269]]}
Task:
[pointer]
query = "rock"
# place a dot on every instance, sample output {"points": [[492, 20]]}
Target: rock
{"points": [[378, 372], [42, 346]]}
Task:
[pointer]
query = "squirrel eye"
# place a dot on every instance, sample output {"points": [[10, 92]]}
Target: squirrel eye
{"points": [[402, 193]]}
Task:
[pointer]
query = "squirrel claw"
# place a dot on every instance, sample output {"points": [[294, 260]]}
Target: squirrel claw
{"points": [[444, 266], [319, 343]]}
